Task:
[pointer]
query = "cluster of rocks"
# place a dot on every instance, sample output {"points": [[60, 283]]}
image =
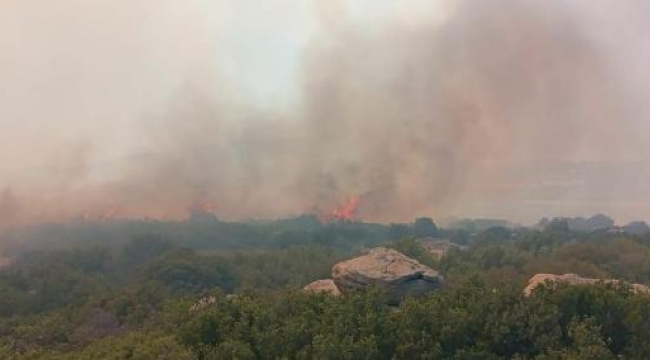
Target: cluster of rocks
{"points": [[574, 279], [203, 303], [208, 301], [396, 274]]}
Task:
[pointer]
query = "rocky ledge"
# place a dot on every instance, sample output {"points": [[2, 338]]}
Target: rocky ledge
{"points": [[391, 271], [574, 279]]}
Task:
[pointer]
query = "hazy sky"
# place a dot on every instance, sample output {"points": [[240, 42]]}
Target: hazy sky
{"points": [[89, 71], [86, 86]]}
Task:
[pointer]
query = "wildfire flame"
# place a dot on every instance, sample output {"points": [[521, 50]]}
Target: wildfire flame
{"points": [[109, 213], [202, 207], [112, 213], [347, 211]]}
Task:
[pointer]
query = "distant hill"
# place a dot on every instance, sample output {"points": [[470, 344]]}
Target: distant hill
{"points": [[478, 225], [636, 228], [598, 222]]}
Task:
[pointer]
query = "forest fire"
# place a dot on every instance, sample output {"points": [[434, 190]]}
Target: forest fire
{"points": [[347, 211], [108, 214], [202, 211], [204, 207]]}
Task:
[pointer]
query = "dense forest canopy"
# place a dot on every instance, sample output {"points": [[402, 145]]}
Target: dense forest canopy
{"points": [[125, 289]]}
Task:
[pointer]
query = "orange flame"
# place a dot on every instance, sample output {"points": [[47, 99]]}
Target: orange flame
{"points": [[202, 207], [111, 212], [347, 211]]}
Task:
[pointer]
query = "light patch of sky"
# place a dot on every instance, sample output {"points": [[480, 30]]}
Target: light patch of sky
{"points": [[261, 43], [409, 13], [259, 50]]}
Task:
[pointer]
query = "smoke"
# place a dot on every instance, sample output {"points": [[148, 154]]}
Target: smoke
{"points": [[409, 116], [8, 206], [428, 118]]}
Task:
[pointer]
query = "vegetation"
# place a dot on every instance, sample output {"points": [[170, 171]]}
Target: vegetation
{"points": [[124, 291]]}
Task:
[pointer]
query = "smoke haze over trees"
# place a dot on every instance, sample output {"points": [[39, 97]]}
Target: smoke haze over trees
{"points": [[177, 178], [490, 108]]}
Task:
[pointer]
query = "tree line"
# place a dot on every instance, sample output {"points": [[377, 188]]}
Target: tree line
{"points": [[127, 295]]}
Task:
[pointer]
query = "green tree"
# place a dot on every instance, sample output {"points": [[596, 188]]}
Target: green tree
{"points": [[424, 227]]}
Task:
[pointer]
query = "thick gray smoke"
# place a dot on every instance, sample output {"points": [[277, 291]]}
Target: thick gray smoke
{"points": [[416, 120], [412, 117], [407, 118]]}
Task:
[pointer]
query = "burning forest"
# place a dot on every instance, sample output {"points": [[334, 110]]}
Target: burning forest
{"points": [[464, 109], [347, 212], [324, 179]]}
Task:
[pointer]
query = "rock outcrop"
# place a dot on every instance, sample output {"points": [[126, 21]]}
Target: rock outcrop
{"points": [[203, 303], [323, 286], [208, 301], [574, 279], [389, 270]]}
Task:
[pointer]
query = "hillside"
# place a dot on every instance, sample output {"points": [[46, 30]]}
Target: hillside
{"points": [[128, 294]]}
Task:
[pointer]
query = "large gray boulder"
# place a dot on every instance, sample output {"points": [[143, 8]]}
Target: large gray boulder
{"points": [[389, 270]]}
